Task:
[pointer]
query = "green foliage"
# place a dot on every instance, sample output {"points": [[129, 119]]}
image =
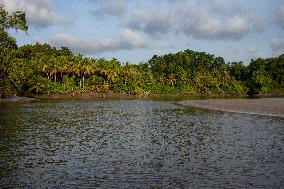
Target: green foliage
{"points": [[15, 20], [41, 69], [204, 81], [266, 75], [236, 87]]}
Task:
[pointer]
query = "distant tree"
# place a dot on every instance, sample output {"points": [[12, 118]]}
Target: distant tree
{"points": [[17, 21], [238, 70]]}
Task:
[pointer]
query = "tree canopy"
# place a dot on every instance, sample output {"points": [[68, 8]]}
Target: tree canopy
{"points": [[17, 21], [44, 69]]}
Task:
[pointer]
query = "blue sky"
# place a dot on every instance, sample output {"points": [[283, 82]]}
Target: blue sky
{"points": [[135, 30]]}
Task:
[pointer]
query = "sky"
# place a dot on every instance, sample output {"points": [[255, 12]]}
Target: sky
{"points": [[135, 30]]}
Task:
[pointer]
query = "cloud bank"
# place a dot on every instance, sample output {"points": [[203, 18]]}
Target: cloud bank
{"points": [[277, 45], [127, 40], [111, 8], [39, 13], [280, 16], [198, 23], [214, 26], [154, 23]]}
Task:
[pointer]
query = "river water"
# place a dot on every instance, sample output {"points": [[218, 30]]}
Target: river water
{"points": [[137, 144]]}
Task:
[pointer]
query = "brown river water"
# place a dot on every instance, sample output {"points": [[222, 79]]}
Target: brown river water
{"points": [[137, 144]]}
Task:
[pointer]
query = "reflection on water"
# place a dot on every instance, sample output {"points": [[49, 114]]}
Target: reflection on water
{"points": [[137, 144]]}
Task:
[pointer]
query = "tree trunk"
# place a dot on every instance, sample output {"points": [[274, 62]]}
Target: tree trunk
{"points": [[83, 81]]}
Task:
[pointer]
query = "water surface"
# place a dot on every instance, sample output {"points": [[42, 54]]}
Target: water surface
{"points": [[137, 144]]}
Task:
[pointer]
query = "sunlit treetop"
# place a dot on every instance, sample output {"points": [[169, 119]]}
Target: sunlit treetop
{"points": [[15, 20]]}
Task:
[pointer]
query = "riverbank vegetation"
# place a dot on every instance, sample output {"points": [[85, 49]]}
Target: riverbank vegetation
{"points": [[43, 69]]}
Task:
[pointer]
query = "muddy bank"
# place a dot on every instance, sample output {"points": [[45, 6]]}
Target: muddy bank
{"points": [[114, 95], [261, 106], [17, 99], [89, 95]]}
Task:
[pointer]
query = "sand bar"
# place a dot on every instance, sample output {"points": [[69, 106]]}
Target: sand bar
{"points": [[262, 106]]}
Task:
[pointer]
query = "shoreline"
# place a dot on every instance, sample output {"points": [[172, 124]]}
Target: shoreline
{"points": [[261, 106], [90, 94], [112, 95]]}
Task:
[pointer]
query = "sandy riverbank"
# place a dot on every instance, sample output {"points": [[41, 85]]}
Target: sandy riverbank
{"points": [[262, 106]]}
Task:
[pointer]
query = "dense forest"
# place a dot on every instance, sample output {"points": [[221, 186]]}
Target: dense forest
{"points": [[43, 69]]}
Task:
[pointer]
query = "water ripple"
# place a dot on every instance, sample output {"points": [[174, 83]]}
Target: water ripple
{"points": [[137, 144]]}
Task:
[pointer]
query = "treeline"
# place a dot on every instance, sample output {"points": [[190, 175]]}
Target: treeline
{"points": [[43, 69], [198, 72]]}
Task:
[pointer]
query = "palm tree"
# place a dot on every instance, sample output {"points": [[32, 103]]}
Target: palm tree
{"points": [[77, 71], [86, 70], [46, 70], [172, 80]]}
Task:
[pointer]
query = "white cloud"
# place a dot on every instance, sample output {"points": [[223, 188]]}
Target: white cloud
{"points": [[277, 45], [127, 40], [196, 22], [280, 16], [154, 23], [111, 8], [39, 13], [131, 39]]}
